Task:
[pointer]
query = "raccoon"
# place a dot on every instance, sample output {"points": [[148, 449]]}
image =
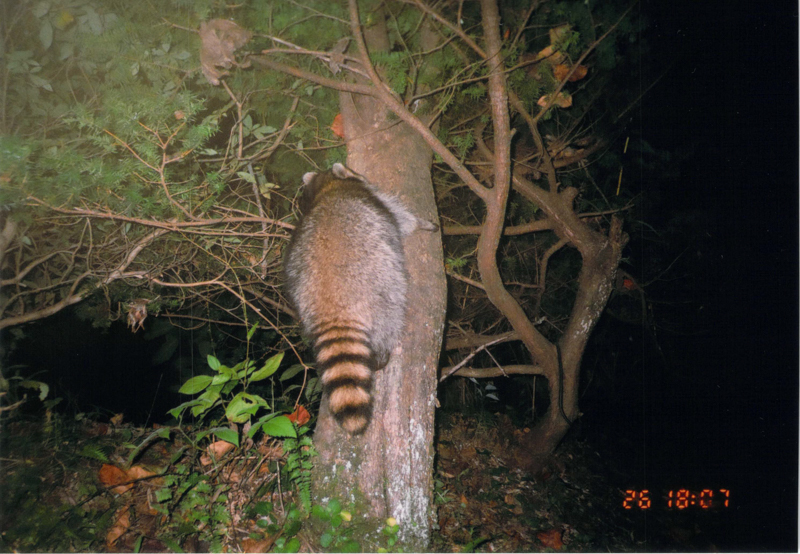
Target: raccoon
{"points": [[346, 277]]}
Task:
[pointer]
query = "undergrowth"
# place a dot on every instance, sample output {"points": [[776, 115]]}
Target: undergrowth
{"points": [[232, 474]]}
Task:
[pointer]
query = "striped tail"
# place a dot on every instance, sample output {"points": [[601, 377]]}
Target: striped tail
{"points": [[346, 361]]}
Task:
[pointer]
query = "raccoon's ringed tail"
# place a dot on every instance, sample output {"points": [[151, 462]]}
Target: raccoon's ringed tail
{"points": [[347, 361]]}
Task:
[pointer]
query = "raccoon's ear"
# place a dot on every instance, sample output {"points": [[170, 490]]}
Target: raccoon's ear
{"points": [[308, 177], [341, 172]]}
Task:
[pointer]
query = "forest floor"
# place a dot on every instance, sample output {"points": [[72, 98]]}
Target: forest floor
{"points": [[62, 489]]}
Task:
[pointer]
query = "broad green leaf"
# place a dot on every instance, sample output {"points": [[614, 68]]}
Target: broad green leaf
{"points": [[213, 363], [202, 406], [196, 384], [270, 367], [279, 427], [247, 177], [291, 372], [41, 83], [325, 539], [43, 388], [40, 10], [228, 435], [244, 405], [172, 545], [46, 34], [178, 410], [220, 379]]}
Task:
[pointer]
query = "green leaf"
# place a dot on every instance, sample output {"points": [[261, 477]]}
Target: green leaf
{"points": [[213, 363], [325, 540], [244, 405], [264, 508], [44, 389], [228, 435], [46, 34], [279, 427], [196, 384], [220, 379], [178, 410], [41, 83], [252, 331], [351, 546], [41, 9], [291, 372], [172, 545], [244, 175], [270, 367]]}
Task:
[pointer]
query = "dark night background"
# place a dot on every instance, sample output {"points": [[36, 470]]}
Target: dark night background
{"points": [[732, 93]]}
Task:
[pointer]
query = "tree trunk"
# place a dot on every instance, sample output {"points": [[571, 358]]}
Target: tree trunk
{"points": [[595, 283], [388, 471]]}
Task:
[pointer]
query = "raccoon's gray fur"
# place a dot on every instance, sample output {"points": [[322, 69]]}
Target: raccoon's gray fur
{"points": [[346, 277]]}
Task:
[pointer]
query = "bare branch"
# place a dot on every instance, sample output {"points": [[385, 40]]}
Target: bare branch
{"points": [[506, 370], [463, 362]]}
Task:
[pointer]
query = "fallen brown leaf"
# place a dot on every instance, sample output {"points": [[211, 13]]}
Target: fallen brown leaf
{"points": [[551, 538], [121, 524], [111, 475], [138, 472], [220, 40], [338, 129], [252, 545]]}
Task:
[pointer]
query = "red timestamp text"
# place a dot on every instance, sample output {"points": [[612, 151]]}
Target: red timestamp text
{"points": [[679, 499]]}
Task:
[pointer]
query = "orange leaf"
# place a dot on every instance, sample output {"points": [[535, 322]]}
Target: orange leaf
{"points": [[117, 419], [463, 499], [628, 284], [560, 71], [545, 52], [112, 475], [551, 538], [300, 416], [252, 545], [562, 100], [338, 126], [138, 472], [579, 74], [122, 523], [552, 55], [217, 450]]}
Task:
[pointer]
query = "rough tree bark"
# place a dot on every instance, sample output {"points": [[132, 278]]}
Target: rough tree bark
{"points": [[388, 471]]}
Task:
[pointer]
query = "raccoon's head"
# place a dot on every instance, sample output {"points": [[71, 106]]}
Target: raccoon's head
{"points": [[315, 183]]}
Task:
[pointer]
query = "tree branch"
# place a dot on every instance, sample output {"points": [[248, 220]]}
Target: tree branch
{"points": [[506, 370]]}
